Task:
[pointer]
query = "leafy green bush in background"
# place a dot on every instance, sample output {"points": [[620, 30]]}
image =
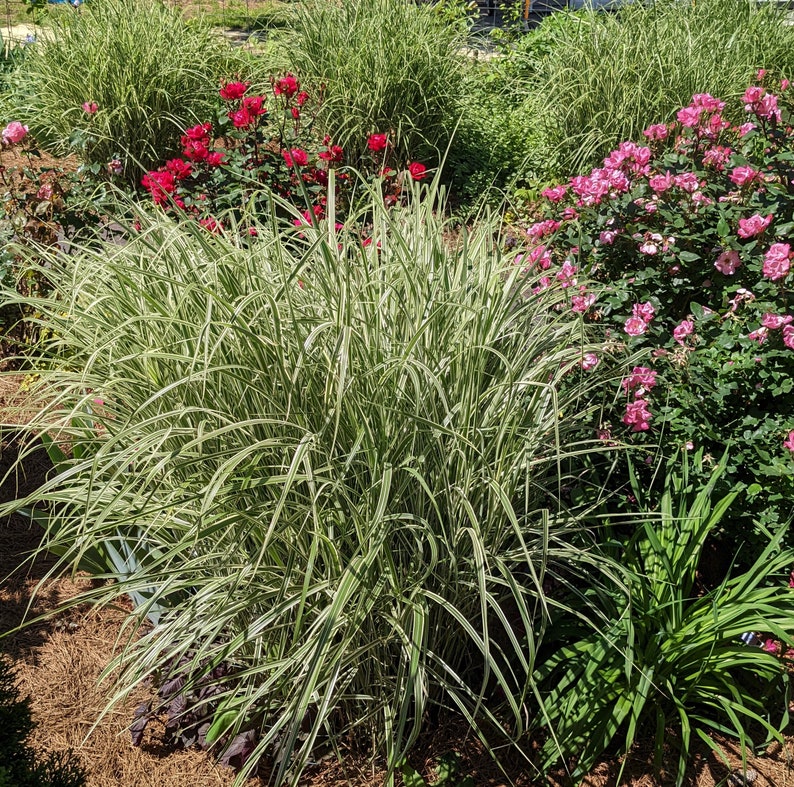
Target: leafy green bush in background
{"points": [[608, 76], [142, 67]]}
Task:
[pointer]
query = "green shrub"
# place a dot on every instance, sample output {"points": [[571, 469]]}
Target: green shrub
{"points": [[610, 75], [385, 66], [499, 143], [139, 62], [322, 465]]}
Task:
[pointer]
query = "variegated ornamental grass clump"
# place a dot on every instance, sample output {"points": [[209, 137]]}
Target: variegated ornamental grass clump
{"points": [[327, 470]]}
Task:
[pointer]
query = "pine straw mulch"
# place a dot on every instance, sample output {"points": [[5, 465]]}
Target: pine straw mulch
{"points": [[58, 662]]}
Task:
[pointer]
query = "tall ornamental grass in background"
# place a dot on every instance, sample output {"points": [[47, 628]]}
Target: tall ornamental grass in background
{"points": [[118, 82], [608, 76], [383, 65], [325, 467]]}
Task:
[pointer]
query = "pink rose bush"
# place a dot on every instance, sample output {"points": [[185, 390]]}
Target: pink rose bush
{"points": [[684, 252]]}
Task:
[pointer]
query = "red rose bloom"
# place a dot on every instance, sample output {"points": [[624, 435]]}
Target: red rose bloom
{"points": [[295, 157], [199, 133], [377, 142], [179, 168], [159, 184], [287, 85], [216, 158], [253, 105], [334, 154], [417, 170], [194, 150], [241, 118], [232, 91]]}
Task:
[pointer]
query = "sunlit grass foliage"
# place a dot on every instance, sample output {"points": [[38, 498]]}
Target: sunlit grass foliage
{"points": [[607, 76], [330, 466], [148, 71]]}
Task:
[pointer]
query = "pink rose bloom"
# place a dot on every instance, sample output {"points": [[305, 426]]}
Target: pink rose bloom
{"points": [[741, 296], [641, 377], [777, 261], [657, 131], [689, 116], [789, 443], [728, 262], [775, 321], [717, 157], [554, 194], [687, 181], [751, 96], [682, 330], [767, 108], [14, 132], [745, 129], [699, 198], [544, 282], [589, 361], [581, 303], [637, 415], [743, 176], [541, 257], [759, 336], [569, 214], [635, 326], [543, 228], [644, 311], [771, 646], [607, 237], [788, 336], [566, 274], [660, 183], [755, 225], [90, 107], [708, 102]]}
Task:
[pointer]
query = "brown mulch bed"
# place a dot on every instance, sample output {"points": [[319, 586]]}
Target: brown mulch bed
{"points": [[59, 660]]}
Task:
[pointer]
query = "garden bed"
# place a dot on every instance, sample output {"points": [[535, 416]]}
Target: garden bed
{"points": [[59, 661]]}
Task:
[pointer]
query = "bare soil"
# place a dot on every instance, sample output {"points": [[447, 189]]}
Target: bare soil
{"points": [[59, 660]]}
